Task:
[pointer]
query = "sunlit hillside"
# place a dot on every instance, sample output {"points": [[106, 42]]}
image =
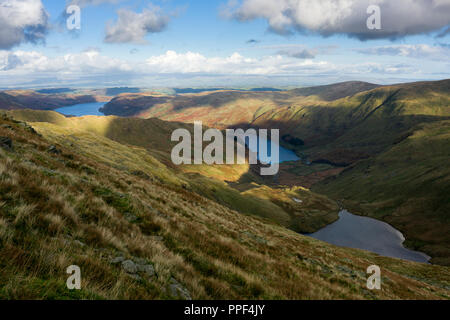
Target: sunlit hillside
{"points": [[146, 235]]}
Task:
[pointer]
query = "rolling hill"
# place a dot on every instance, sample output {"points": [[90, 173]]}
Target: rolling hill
{"points": [[407, 186], [337, 130], [71, 195], [228, 185], [221, 109], [28, 99]]}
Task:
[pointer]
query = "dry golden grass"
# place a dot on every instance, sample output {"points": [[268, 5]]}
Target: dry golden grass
{"points": [[75, 207]]}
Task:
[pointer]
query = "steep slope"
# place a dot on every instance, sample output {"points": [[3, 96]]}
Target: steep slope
{"points": [[136, 237], [8, 102], [372, 134], [223, 109], [335, 91], [28, 99], [346, 130], [226, 185], [407, 186]]}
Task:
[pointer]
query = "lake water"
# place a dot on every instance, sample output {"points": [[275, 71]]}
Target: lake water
{"points": [[285, 154], [85, 109], [92, 109], [368, 234]]}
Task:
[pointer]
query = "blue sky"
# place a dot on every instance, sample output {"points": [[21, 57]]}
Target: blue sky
{"points": [[219, 43]]}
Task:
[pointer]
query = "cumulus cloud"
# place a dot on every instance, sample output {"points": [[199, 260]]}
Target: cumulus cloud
{"points": [[85, 3], [299, 54], [92, 61], [33, 62], [418, 51], [191, 62], [22, 21], [92, 68], [132, 27], [399, 18], [300, 51]]}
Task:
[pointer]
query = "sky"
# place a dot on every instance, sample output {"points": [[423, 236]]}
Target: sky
{"points": [[221, 43]]}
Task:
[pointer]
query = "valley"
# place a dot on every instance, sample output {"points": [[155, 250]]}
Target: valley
{"points": [[377, 151], [225, 158], [94, 201], [342, 132]]}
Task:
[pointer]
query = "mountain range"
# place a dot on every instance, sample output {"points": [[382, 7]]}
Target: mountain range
{"points": [[103, 193]]}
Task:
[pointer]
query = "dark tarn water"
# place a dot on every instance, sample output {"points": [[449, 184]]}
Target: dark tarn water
{"points": [[286, 155], [80, 110], [368, 234]]}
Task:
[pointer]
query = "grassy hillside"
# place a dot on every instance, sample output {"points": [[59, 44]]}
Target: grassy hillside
{"points": [[75, 198], [340, 123], [408, 186], [351, 125], [335, 91], [221, 109], [28, 99], [223, 184], [359, 126]]}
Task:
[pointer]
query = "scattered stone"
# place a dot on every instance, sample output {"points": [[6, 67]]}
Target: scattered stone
{"points": [[178, 291], [135, 277], [157, 238], [27, 127], [117, 260], [53, 150], [325, 270], [6, 143], [6, 126], [148, 269], [129, 267]]}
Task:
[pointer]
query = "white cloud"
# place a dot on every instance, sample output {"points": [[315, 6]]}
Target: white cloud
{"points": [[188, 69], [190, 62], [32, 62], [132, 27], [93, 62], [418, 51], [22, 21], [84, 3], [327, 17]]}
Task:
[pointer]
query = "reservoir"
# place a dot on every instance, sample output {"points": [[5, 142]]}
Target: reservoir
{"points": [[286, 155], [80, 110], [368, 234]]}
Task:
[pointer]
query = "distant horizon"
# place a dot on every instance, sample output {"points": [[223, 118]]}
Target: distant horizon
{"points": [[259, 43], [211, 87]]}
